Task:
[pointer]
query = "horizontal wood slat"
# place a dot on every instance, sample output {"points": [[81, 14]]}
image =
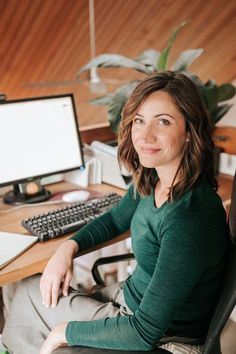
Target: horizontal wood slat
{"points": [[45, 42]]}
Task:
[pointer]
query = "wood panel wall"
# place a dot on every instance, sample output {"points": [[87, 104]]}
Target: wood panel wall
{"points": [[45, 42]]}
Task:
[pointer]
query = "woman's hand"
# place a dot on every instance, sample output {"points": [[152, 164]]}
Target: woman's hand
{"points": [[55, 339], [58, 273]]}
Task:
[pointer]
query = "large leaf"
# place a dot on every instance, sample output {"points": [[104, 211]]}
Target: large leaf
{"points": [[193, 77], [102, 100], [186, 58], [210, 94], [225, 92], [163, 59], [149, 58], [117, 103], [219, 112], [114, 60]]}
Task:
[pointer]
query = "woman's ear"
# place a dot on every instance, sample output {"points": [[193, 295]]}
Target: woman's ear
{"points": [[187, 138]]}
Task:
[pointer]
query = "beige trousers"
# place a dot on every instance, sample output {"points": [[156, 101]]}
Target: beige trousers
{"points": [[29, 322]]}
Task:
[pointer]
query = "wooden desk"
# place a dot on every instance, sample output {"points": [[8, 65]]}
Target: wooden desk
{"points": [[34, 260]]}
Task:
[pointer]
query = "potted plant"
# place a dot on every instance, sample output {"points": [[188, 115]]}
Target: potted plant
{"points": [[150, 61]]}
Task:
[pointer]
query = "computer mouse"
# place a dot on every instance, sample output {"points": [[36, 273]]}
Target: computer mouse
{"points": [[76, 196]]}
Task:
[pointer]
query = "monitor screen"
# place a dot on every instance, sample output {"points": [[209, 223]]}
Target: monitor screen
{"points": [[39, 137]]}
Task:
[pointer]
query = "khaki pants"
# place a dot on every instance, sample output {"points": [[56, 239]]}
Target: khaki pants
{"points": [[29, 322]]}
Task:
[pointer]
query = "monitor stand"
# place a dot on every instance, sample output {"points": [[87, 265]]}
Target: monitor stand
{"points": [[27, 193]]}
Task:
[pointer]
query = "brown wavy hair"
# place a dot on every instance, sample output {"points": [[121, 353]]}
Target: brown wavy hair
{"points": [[198, 158]]}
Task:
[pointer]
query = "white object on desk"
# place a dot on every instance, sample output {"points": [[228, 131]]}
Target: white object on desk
{"points": [[227, 164], [12, 245], [90, 175], [76, 196], [112, 172]]}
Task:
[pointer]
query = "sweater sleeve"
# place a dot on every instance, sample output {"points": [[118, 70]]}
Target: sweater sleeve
{"points": [[184, 254], [108, 225]]}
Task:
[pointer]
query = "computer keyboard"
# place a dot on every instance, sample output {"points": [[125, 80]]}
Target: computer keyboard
{"points": [[69, 218]]}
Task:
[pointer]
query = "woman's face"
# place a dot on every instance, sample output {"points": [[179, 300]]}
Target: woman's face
{"points": [[158, 132]]}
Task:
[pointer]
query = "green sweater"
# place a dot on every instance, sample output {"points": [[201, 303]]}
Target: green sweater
{"points": [[180, 250]]}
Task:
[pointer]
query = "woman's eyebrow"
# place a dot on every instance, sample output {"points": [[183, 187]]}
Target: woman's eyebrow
{"points": [[156, 115], [163, 114]]}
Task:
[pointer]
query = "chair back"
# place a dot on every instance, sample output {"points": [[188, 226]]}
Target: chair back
{"points": [[227, 300]]}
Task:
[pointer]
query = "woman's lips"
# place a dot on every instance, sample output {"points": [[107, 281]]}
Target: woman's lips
{"points": [[147, 150]]}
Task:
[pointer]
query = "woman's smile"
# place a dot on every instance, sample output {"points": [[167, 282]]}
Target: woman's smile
{"points": [[149, 150]]}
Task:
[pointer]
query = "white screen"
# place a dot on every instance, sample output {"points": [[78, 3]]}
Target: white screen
{"points": [[37, 138]]}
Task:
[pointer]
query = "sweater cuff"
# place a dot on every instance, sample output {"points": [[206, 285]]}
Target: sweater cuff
{"points": [[68, 333]]}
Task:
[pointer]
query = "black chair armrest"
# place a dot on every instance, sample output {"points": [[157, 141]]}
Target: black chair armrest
{"points": [[107, 260]]}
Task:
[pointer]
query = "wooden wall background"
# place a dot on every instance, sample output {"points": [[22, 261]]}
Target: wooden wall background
{"points": [[45, 42]]}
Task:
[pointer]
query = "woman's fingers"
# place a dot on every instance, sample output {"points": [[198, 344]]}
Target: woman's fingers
{"points": [[50, 290], [66, 283], [55, 289], [55, 339], [47, 294], [43, 287]]}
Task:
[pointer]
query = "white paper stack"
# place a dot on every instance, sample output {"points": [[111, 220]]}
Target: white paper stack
{"points": [[92, 174], [112, 172], [101, 165], [227, 164]]}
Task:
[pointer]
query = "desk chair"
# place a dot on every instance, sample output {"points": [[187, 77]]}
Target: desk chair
{"points": [[223, 310]]}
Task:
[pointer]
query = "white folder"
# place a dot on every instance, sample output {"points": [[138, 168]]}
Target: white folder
{"points": [[12, 245]]}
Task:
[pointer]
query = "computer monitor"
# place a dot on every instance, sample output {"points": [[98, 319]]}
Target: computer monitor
{"points": [[38, 137]]}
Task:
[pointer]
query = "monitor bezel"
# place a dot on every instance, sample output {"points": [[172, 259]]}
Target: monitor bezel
{"points": [[32, 178]]}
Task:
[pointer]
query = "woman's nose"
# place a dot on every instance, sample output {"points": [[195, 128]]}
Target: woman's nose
{"points": [[147, 135]]}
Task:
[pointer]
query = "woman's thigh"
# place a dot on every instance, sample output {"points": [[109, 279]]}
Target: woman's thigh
{"points": [[29, 321], [76, 306]]}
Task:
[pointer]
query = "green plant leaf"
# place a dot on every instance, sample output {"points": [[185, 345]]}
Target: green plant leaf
{"points": [[210, 95], [163, 59], [193, 77], [225, 92], [149, 58], [186, 58], [219, 112], [117, 103], [114, 60], [102, 100]]}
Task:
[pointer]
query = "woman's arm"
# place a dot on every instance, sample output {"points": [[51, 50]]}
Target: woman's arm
{"points": [[108, 225], [58, 272]]}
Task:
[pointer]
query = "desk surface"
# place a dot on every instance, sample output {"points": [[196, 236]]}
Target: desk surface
{"points": [[34, 260]]}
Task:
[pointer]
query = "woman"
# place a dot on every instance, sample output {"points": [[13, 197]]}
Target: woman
{"points": [[179, 238]]}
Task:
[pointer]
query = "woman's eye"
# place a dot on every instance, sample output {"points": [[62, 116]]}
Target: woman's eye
{"points": [[163, 121], [138, 121]]}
